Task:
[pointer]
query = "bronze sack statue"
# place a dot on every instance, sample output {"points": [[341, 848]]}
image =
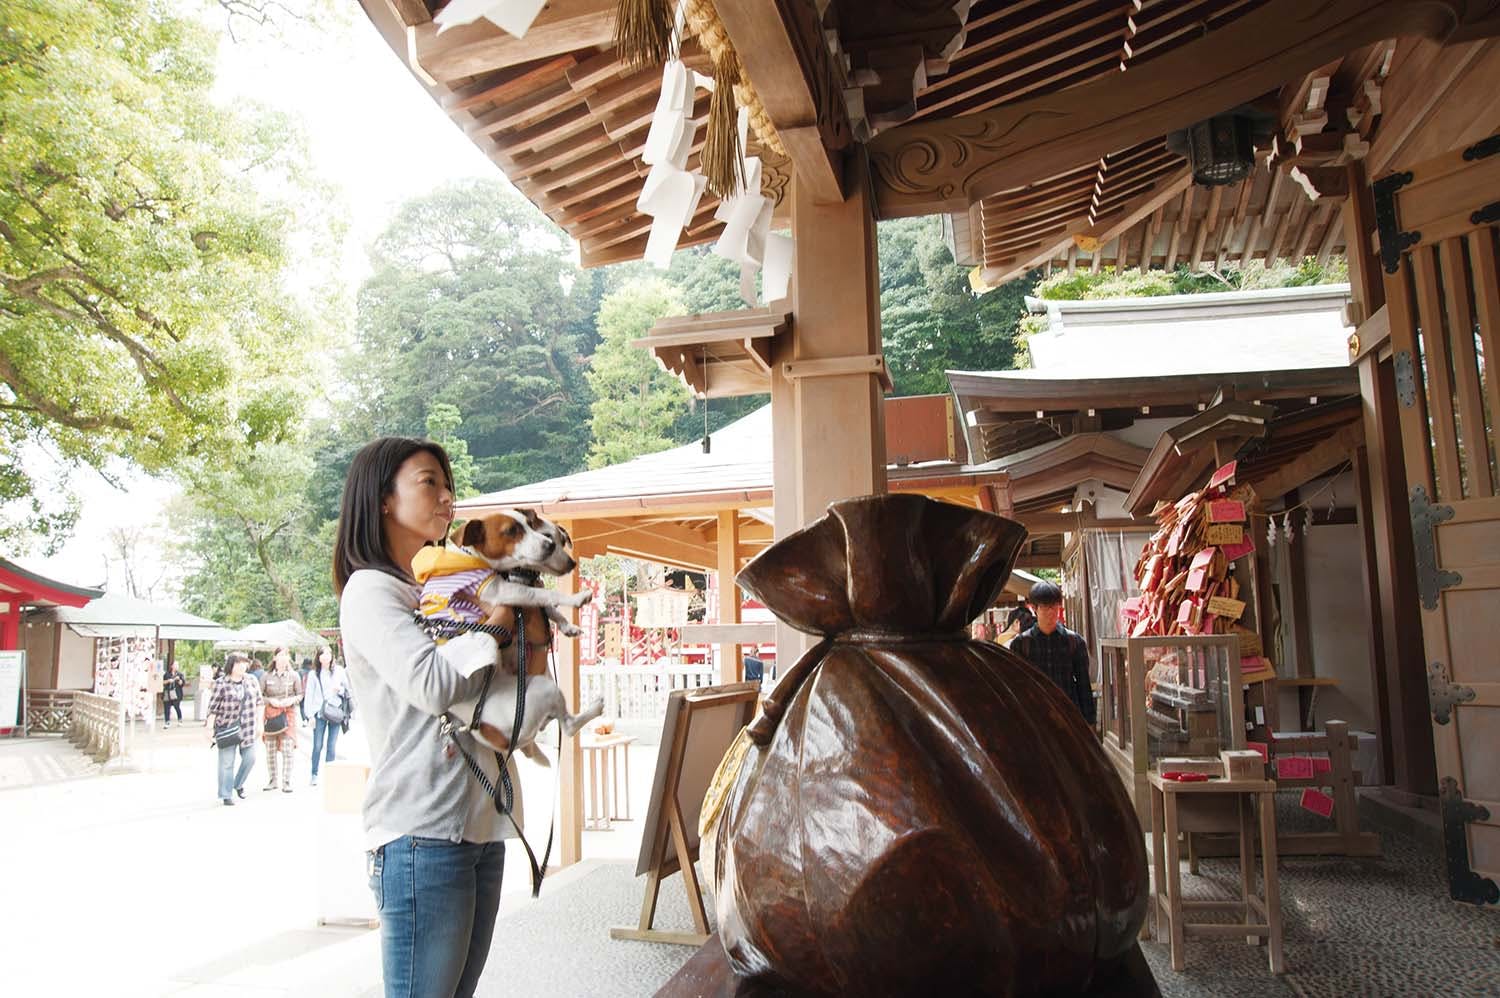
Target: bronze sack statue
{"points": [[922, 814]]}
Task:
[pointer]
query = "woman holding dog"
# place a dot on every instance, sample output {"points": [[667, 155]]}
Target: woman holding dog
{"points": [[434, 838]]}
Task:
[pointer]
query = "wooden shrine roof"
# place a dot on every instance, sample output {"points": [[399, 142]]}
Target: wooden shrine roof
{"points": [[1037, 125], [38, 590]]}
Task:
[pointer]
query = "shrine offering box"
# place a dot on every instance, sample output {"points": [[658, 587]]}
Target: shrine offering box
{"points": [[1167, 697]]}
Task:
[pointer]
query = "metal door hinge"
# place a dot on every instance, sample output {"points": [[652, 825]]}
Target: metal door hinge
{"points": [[1393, 242], [1443, 695], [1463, 883], [1431, 580], [1484, 216], [1482, 149], [1406, 379]]}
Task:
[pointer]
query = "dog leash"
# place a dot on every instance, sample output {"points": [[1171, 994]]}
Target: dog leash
{"points": [[503, 796]]}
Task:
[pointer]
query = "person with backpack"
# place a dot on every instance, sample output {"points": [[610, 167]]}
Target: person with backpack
{"points": [[1061, 654], [329, 705]]}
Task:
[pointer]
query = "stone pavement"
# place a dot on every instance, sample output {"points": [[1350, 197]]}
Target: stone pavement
{"points": [[136, 881], [139, 883]]}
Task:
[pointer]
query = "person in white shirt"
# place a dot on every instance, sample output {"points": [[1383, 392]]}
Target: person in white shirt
{"points": [[328, 704], [435, 837]]}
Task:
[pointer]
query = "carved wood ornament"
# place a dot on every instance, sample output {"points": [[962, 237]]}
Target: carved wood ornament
{"points": [[944, 165]]}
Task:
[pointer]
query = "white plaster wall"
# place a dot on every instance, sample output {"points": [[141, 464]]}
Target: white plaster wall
{"points": [[75, 666], [1340, 624]]}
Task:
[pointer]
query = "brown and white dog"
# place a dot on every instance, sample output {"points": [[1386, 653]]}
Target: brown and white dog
{"points": [[520, 546]]}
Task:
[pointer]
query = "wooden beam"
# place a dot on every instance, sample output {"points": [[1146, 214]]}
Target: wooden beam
{"points": [[1328, 454], [781, 47], [570, 766], [481, 47], [932, 165], [726, 547]]}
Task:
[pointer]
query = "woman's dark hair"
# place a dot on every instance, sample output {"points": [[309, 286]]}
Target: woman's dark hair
{"points": [[1021, 615], [360, 541]]}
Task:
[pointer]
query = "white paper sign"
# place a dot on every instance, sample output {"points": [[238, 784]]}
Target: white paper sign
{"points": [[12, 665], [514, 16]]}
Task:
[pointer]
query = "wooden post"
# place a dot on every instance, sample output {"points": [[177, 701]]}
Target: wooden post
{"points": [[731, 669], [826, 401], [1413, 767], [570, 777]]}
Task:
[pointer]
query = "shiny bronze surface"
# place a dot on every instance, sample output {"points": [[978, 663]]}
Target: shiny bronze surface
{"points": [[925, 814]]}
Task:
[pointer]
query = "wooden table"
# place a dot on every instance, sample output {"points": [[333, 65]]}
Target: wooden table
{"points": [[606, 766], [1215, 806]]}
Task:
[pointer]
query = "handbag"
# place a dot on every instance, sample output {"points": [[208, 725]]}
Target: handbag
{"points": [[276, 723], [332, 711], [227, 735]]}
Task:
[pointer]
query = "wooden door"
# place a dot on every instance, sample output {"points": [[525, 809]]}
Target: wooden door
{"points": [[1437, 230]]}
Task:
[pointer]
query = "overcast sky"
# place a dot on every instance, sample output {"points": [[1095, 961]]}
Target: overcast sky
{"points": [[374, 133]]}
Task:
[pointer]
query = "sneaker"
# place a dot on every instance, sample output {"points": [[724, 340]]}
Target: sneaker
{"points": [[240, 791], [226, 802], [269, 786], [314, 781], [286, 790]]}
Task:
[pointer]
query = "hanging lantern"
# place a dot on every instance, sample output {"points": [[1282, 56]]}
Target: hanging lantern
{"points": [[1221, 149]]}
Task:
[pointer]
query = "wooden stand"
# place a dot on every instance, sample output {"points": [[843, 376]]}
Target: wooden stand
{"points": [[698, 729], [1215, 806]]}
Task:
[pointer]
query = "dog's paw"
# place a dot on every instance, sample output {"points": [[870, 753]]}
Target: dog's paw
{"points": [[581, 598], [571, 630]]}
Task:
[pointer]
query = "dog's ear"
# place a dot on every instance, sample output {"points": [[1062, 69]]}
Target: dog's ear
{"points": [[532, 520], [473, 533]]}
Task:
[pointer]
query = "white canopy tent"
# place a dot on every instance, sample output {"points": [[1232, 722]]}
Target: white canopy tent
{"points": [[112, 616], [268, 637]]}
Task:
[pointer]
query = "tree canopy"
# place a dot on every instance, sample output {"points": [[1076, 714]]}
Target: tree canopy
{"points": [[144, 232]]}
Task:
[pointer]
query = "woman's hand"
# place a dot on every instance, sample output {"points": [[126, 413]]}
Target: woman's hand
{"points": [[500, 616]]}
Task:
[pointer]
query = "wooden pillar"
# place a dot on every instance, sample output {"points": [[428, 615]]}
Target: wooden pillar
{"points": [[826, 392], [731, 668], [10, 624], [1413, 768], [570, 777]]}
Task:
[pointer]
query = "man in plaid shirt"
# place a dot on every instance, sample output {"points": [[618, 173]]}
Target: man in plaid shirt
{"points": [[1061, 654], [236, 697]]}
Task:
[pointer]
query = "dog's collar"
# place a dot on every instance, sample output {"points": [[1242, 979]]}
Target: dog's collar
{"points": [[524, 576]]}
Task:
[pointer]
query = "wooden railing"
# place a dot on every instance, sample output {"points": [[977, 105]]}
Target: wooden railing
{"points": [[49, 712], [639, 693], [98, 725]]}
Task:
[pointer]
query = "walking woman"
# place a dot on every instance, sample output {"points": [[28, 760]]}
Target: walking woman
{"points": [[234, 711], [433, 835], [327, 702], [283, 691], [171, 694]]}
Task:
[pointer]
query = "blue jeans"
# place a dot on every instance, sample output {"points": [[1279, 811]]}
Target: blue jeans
{"points": [[321, 728], [229, 780], [437, 901]]}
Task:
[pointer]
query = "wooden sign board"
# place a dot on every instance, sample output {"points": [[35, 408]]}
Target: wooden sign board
{"points": [[1224, 474], [1226, 511], [1227, 534], [1223, 606], [698, 729]]}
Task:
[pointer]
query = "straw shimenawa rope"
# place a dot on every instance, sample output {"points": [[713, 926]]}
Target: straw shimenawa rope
{"points": [[643, 36], [643, 32]]}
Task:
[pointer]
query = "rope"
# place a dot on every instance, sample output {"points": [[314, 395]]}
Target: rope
{"points": [[503, 796]]}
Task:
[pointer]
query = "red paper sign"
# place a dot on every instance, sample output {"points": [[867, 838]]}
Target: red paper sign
{"points": [[1223, 475], [1185, 611], [1235, 551], [1294, 767], [1131, 608], [1203, 558], [1196, 578], [1226, 511], [1317, 802], [1321, 764], [1261, 747]]}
